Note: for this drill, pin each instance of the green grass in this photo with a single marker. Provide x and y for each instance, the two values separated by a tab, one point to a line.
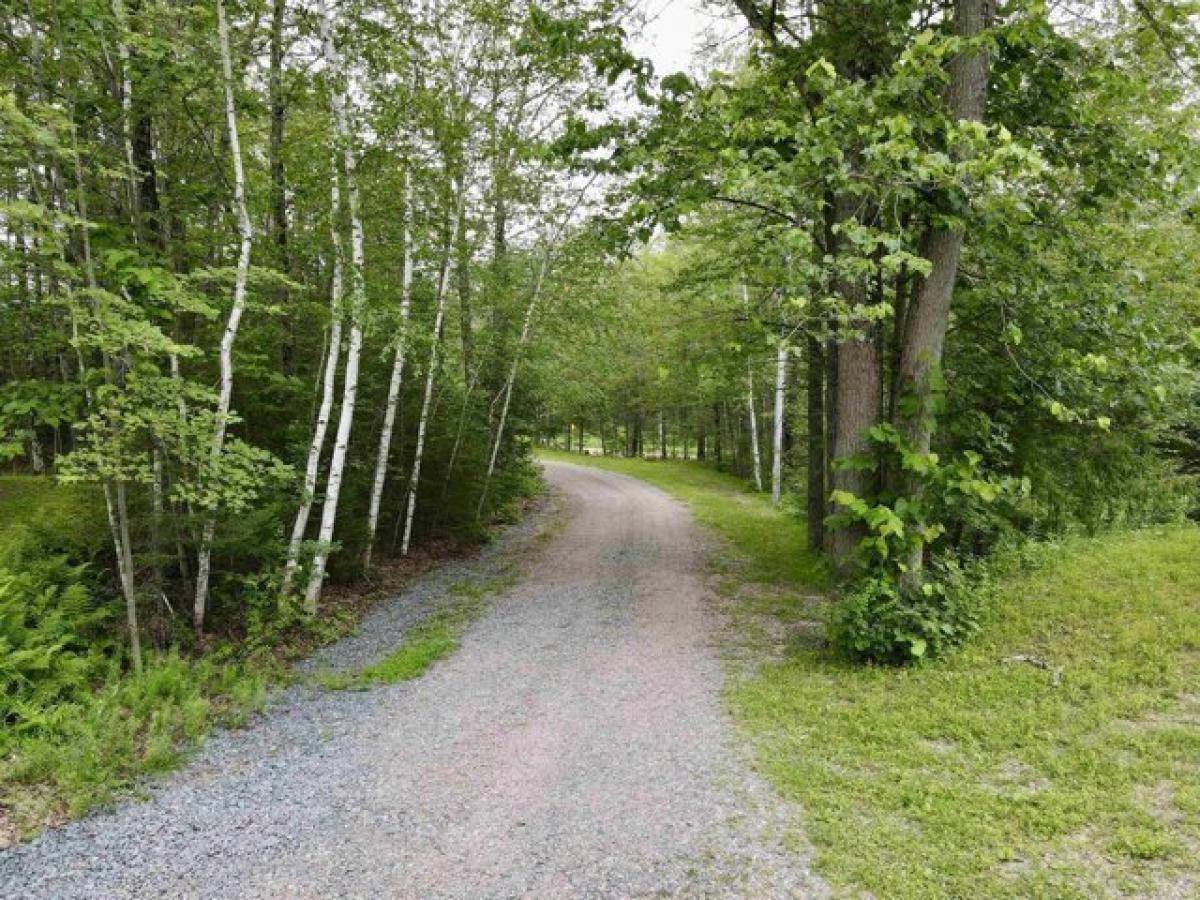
430	640
980	776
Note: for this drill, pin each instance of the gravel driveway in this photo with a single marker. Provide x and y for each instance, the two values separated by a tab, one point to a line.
574	746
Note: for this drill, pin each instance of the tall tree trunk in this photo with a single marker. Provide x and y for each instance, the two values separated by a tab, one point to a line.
831	370
511	380
279	230
118	520
414	481
393	397
815	501
279	223
857	410
339	98
929	315
246	233
328	381
781	355
462	276
756	458
126	90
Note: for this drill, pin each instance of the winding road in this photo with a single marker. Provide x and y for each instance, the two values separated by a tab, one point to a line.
574	746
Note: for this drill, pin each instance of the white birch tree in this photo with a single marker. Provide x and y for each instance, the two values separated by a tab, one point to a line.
781	359
393	397
414	480
338	98
756	456
316	446
246	234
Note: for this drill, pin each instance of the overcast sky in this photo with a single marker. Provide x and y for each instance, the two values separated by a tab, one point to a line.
676	30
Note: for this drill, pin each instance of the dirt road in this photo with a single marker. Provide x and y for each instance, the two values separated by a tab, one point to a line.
575	746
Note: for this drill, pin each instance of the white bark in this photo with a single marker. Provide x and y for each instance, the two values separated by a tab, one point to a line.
777	443
414	480
118	523
328	385
341	444
246	233
393	398
512	379
131	184
756	455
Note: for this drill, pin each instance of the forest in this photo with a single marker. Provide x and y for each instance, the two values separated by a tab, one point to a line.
295	295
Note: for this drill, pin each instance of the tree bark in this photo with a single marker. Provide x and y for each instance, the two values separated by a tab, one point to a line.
781	355
246	233
857	409
414	481
339	98
328	382
815	501
393	398
929	314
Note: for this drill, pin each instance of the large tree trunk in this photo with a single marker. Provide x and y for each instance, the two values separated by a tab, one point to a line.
462	275
856	400
393	398
928	318
278	218
339	97
204	561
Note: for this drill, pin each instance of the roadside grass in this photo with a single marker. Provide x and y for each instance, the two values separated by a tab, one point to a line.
430	640
988	775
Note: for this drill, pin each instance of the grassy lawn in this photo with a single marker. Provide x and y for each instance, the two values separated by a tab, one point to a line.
986	775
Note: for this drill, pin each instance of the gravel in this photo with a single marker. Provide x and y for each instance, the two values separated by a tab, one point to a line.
574	746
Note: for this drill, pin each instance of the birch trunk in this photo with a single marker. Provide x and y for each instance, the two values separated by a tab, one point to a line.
511	380
118	521
415	479
393	398
118	9
328	385
337	463
757	457
780	404
204	560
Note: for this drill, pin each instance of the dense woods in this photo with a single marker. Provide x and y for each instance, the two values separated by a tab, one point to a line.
289	289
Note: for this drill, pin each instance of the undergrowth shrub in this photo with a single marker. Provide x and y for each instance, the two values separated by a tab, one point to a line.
882	620
75	725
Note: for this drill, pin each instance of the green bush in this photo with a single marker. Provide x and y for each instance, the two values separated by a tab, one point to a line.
52	642
883	620
75	726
